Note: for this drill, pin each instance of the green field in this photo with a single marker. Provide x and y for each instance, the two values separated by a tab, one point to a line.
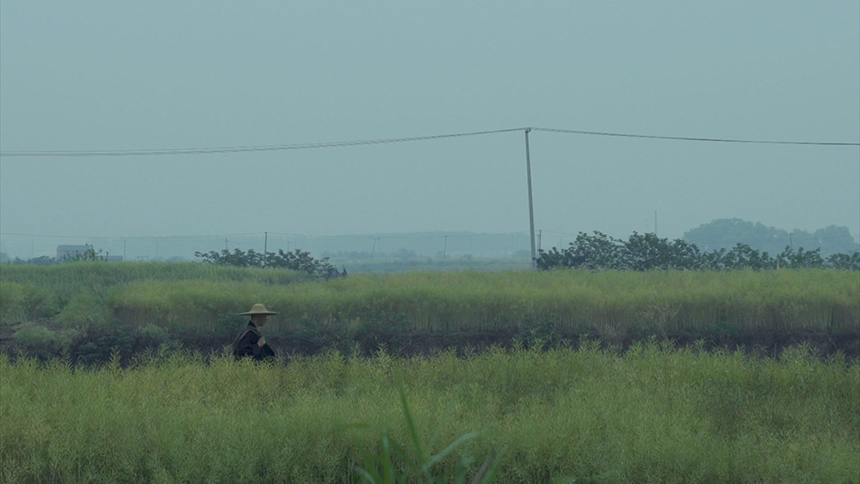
419	311
597	377
652	414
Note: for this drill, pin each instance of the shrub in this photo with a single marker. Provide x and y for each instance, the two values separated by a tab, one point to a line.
382	328
12	307
26	302
323	334
151	336
83	310
536	331
42	343
96	343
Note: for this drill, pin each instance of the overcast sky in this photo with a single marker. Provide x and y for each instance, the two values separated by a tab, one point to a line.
150	75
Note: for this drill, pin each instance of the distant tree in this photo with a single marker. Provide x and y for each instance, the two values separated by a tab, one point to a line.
297	260
742	256
642	252
38	261
832	240
89	255
810	259
647	251
844	261
726	233
237	258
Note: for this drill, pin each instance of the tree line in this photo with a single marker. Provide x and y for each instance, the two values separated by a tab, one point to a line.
642	252
297	260
726	232
89	255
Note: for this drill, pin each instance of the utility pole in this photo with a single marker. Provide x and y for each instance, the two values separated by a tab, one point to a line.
123	250
791	241
445	248
531	205
225	246
265	247
374	248
655	223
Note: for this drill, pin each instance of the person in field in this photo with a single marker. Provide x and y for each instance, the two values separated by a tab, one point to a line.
250	343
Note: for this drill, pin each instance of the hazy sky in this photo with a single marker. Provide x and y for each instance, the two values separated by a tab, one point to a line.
146	75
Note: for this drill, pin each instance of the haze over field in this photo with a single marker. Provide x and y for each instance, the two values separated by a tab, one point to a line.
118	76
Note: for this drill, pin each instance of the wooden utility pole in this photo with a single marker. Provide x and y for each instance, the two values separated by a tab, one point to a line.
531	205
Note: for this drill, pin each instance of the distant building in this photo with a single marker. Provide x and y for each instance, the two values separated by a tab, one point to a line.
64	251
114	258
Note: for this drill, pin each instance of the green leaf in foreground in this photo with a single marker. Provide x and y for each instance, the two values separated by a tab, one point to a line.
384	459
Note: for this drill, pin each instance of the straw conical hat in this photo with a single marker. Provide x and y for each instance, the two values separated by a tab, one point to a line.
257	309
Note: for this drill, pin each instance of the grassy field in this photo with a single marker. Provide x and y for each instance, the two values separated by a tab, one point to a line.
393	266
79	292
195	293
653	414
727	308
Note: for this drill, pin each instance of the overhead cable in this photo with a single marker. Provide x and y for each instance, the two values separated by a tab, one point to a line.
242	149
684	138
340	144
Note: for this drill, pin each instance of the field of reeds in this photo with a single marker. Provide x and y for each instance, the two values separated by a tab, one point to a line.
418	311
650	414
79	292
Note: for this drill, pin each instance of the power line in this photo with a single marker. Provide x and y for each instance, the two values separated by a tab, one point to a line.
260	234
340	144
146	237
242	149
683	138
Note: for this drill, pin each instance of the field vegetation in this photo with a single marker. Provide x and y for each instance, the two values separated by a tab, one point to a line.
145	304
116	372
650	414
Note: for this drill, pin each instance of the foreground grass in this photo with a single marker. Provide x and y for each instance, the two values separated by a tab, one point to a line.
653	414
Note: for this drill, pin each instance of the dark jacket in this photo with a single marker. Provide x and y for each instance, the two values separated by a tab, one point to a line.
246	344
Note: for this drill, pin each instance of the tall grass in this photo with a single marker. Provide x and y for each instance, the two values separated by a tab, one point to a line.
607	303
43	292
615	306
652	414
